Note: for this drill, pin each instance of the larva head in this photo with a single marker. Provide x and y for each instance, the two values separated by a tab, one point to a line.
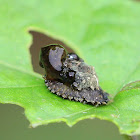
73	56
52	58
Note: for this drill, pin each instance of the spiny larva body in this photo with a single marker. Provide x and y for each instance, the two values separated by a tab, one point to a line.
69	76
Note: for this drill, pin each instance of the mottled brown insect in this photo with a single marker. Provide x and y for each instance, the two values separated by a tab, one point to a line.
69	76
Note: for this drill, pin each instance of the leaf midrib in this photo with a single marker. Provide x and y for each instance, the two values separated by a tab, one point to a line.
20	70
22	86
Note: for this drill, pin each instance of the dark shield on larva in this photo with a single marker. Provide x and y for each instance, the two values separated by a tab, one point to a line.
69	76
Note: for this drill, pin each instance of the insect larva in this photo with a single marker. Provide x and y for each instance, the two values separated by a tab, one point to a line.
69	76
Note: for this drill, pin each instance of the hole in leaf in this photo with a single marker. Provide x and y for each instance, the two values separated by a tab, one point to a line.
41	40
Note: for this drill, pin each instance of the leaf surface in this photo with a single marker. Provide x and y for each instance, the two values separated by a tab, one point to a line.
104	33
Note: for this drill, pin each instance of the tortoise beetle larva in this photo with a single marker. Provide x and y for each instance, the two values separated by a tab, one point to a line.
69	76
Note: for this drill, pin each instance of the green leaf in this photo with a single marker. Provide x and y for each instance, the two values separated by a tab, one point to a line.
104	33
